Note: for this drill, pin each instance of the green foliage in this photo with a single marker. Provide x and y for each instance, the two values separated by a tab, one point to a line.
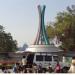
7	44
63	21
64	28
50	31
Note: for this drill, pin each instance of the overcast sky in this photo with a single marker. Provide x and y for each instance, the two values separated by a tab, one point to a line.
20	17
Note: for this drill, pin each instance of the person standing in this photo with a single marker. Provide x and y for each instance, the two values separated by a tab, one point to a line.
49	68
72	67
57	68
24	61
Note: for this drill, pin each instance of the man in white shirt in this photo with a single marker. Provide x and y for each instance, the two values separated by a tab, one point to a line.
24	61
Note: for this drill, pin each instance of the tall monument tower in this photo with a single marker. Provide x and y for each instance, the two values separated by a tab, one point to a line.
41	38
41	43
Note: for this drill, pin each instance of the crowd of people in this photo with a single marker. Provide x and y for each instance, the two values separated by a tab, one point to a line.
28	67
34	68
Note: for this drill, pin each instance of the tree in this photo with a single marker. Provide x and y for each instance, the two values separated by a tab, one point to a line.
64	28
7	44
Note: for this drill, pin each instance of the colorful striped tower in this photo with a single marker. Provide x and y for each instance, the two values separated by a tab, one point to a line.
41	43
41	37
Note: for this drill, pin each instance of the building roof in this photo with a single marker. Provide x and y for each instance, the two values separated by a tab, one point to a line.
43	48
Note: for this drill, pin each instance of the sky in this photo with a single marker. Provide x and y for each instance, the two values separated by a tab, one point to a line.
20	17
